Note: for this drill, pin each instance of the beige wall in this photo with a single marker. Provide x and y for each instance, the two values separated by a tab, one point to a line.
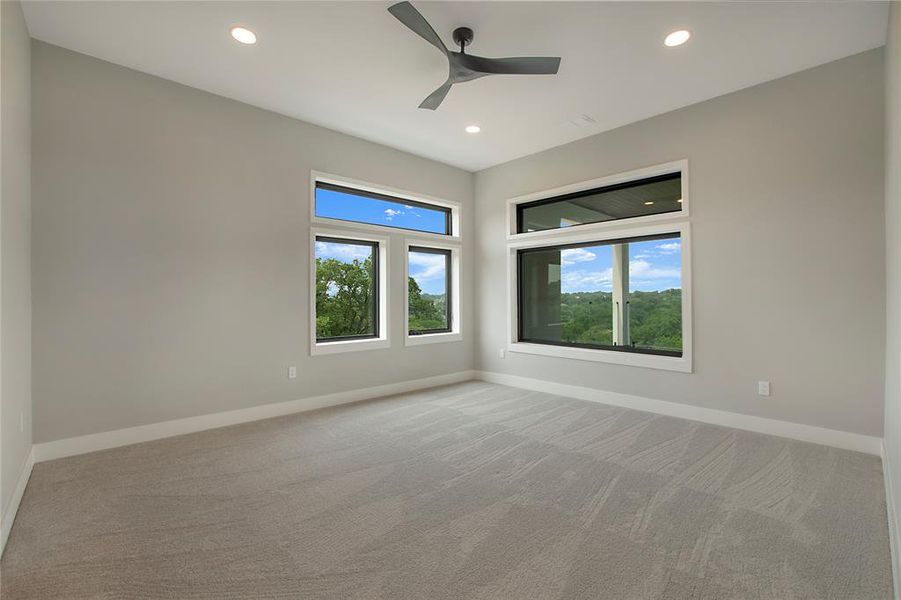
787	246
171	232
171	236
892	439
15	253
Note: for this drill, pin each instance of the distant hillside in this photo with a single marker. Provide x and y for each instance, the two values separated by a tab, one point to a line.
655	318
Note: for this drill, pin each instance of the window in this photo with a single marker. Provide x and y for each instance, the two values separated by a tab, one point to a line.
429	294
656	195
623	295
359	206
600	270
347	289
353	225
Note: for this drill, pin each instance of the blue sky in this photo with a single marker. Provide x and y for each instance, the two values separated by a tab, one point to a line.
343	252
427	269
348	207
653	266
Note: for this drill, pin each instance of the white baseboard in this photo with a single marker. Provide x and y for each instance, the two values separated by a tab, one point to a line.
145	433
891	513
797	431
9	512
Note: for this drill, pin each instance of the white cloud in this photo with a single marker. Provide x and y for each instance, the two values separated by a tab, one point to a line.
390	213
342	252
571	256
580	281
642	275
425	266
669	247
643	270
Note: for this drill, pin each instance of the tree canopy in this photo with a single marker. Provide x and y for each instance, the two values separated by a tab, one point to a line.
427	311
345	300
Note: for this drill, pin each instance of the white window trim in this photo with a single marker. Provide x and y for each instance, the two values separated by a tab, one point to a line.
611	230
384	339
456	332
456	220
678	166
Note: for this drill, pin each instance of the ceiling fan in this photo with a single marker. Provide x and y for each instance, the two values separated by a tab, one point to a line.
466	67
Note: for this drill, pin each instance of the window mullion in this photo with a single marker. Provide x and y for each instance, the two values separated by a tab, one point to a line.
621	294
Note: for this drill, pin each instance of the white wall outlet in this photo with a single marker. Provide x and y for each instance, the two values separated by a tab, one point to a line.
763	388
292	372
502	353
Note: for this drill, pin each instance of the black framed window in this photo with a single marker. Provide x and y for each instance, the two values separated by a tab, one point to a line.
623	295
347	289
430	293
652	196
360	206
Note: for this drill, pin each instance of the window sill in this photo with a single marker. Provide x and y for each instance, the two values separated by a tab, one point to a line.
432	338
348	346
632	359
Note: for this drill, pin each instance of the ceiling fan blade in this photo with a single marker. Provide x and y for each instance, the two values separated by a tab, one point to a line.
409	16
521	65
435	99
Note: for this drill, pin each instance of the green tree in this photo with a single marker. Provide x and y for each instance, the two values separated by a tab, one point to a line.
655	318
345	305
427	311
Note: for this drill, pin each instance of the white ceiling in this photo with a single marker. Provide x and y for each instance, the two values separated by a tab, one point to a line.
353	67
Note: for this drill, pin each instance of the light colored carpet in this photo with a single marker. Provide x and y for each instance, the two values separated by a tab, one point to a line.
471	491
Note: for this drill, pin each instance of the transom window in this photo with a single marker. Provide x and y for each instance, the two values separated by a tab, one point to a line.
623	294
360	206
650	196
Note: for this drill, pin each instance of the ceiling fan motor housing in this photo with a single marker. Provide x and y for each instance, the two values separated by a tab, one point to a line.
463	37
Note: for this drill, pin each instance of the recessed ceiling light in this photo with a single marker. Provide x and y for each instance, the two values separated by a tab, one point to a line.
649	202
243	35
473	129
677	38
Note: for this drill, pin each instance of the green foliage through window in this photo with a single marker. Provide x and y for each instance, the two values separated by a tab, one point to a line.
346	289
622	295
428	289
428	312
655	319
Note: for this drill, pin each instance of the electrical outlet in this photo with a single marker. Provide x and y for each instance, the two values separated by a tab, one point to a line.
763	388
502	353
292	372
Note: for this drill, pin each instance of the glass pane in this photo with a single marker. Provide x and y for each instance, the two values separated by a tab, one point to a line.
429	286
621	295
566	295
655	294
346	289
652	196
345	204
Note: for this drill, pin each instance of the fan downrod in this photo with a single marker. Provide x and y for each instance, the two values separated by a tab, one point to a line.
463	37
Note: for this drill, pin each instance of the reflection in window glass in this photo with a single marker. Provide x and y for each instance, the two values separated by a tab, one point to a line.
567	295
429	290
653	196
346	289
346	204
